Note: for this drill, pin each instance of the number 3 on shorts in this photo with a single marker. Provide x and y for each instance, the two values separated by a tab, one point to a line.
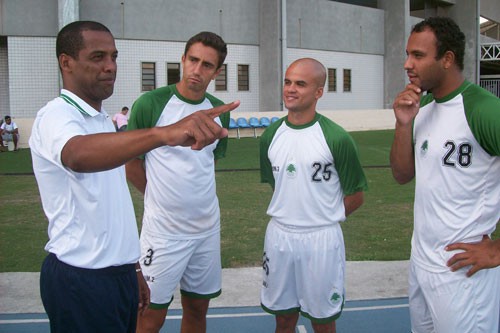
149	257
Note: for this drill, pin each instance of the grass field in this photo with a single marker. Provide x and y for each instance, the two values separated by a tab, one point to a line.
380	230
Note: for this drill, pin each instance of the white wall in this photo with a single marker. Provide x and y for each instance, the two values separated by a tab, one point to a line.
33	74
4	78
367	79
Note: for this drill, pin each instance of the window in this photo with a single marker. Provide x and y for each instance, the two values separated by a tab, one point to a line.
347	80
148	76
332	79
173	72
221	79
243	78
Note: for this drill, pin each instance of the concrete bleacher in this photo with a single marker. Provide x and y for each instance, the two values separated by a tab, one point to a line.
351	120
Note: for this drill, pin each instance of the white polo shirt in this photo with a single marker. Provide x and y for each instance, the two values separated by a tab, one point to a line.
91	216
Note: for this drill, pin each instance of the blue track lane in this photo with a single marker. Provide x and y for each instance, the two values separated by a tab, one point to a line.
373	316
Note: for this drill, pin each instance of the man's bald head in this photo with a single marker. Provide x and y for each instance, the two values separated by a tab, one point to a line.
314	67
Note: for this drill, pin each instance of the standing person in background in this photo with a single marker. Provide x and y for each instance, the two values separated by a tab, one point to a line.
313	167
9	132
121	120
91	280
449	141
180	236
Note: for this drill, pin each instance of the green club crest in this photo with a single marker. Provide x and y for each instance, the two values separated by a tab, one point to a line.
335	297
425	146
291	171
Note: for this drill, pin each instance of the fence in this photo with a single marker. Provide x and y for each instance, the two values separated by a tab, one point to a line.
492	85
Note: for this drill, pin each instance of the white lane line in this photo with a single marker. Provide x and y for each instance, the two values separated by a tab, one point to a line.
380	307
23	321
228	315
301	329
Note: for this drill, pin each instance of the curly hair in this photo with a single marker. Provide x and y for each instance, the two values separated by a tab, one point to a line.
212	40
70	40
448	35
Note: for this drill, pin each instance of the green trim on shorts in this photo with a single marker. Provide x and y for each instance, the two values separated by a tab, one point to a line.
201	296
156	306
322	320
280	312
327	319
305	314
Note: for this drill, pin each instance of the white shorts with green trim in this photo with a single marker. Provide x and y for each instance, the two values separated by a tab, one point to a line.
303	271
451	302
194	263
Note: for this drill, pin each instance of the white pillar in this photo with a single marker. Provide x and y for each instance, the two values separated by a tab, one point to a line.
68	11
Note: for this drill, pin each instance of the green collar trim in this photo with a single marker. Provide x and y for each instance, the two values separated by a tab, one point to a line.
316	118
455	93
71	102
187	100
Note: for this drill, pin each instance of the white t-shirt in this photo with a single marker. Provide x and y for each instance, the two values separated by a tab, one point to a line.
91	217
311	168
180	200
457	189
9	127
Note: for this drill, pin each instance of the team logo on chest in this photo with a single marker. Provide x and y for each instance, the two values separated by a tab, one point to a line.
291	170
424	148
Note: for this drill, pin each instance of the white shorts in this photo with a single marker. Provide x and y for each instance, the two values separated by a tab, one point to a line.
304	272
450	302
9	136
194	263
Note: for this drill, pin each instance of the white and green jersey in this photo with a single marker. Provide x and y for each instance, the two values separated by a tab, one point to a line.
311	168
180	199
457	194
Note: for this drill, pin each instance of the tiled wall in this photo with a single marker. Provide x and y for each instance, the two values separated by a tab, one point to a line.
4	78
367	79
132	53
34	74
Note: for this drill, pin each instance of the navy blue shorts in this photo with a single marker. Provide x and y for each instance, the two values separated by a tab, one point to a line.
89	300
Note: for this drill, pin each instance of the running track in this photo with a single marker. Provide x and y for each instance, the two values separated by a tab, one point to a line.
372	316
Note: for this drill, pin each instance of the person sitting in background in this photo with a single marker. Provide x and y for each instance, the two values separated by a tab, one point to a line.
120	120
9	132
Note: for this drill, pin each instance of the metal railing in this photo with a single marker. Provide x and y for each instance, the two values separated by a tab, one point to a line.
490	51
492	85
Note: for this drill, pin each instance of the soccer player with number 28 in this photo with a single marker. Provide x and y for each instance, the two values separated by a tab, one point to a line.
449	140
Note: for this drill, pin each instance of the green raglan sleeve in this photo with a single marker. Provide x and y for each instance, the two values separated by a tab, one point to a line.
221	148
345	154
147	109
482	111
139	116
266	170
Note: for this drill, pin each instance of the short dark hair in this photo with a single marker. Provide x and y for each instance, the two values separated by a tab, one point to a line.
70	40
124	108
448	35
7	117
212	40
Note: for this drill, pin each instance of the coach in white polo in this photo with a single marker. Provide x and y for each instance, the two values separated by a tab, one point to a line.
89	282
